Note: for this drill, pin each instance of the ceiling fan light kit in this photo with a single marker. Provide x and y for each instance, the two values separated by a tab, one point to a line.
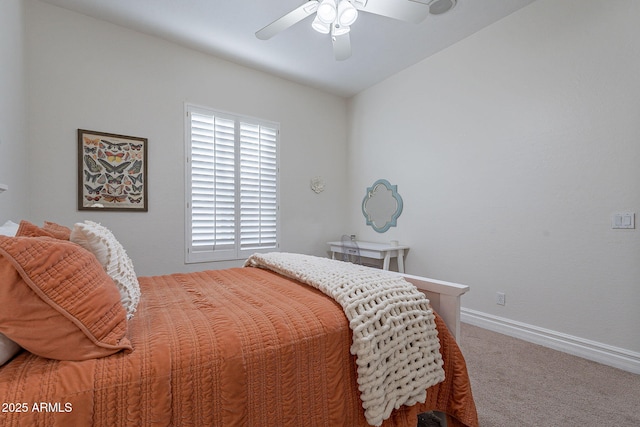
327	11
337	16
334	18
320	26
347	13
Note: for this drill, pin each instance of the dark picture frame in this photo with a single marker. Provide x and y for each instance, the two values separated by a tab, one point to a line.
112	172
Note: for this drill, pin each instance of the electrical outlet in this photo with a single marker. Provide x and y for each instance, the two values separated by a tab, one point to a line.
500	298
623	220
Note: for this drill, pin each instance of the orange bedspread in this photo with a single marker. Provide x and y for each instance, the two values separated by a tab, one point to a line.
236	347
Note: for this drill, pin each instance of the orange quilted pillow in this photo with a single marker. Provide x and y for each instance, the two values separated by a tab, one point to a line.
59	231
50	229
57	301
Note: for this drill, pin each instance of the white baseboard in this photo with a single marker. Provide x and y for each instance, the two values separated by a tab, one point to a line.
598	352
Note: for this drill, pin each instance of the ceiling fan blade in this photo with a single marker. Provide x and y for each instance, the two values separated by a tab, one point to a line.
404	10
341	46
293	17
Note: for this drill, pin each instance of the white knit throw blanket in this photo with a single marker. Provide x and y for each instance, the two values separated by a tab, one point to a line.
395	340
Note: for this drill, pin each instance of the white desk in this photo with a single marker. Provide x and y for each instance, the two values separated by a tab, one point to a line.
384	251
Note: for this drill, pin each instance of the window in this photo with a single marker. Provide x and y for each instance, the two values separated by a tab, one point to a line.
232	185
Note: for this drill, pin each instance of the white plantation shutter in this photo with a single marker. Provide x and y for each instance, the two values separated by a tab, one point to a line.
232	191
258	190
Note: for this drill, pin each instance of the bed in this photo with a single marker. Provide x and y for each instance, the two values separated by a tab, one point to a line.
248	346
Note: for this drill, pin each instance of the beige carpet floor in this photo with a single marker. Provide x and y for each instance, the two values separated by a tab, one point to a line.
516	383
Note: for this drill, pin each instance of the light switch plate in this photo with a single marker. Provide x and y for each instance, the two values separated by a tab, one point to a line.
623	220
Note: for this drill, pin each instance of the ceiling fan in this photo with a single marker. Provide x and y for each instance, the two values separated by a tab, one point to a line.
335	17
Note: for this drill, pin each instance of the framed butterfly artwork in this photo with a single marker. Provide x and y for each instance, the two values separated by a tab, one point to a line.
112	172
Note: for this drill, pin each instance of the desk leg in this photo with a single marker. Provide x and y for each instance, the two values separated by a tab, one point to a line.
401	260
387	258
333	255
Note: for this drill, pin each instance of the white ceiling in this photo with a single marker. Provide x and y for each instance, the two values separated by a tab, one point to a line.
225	28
